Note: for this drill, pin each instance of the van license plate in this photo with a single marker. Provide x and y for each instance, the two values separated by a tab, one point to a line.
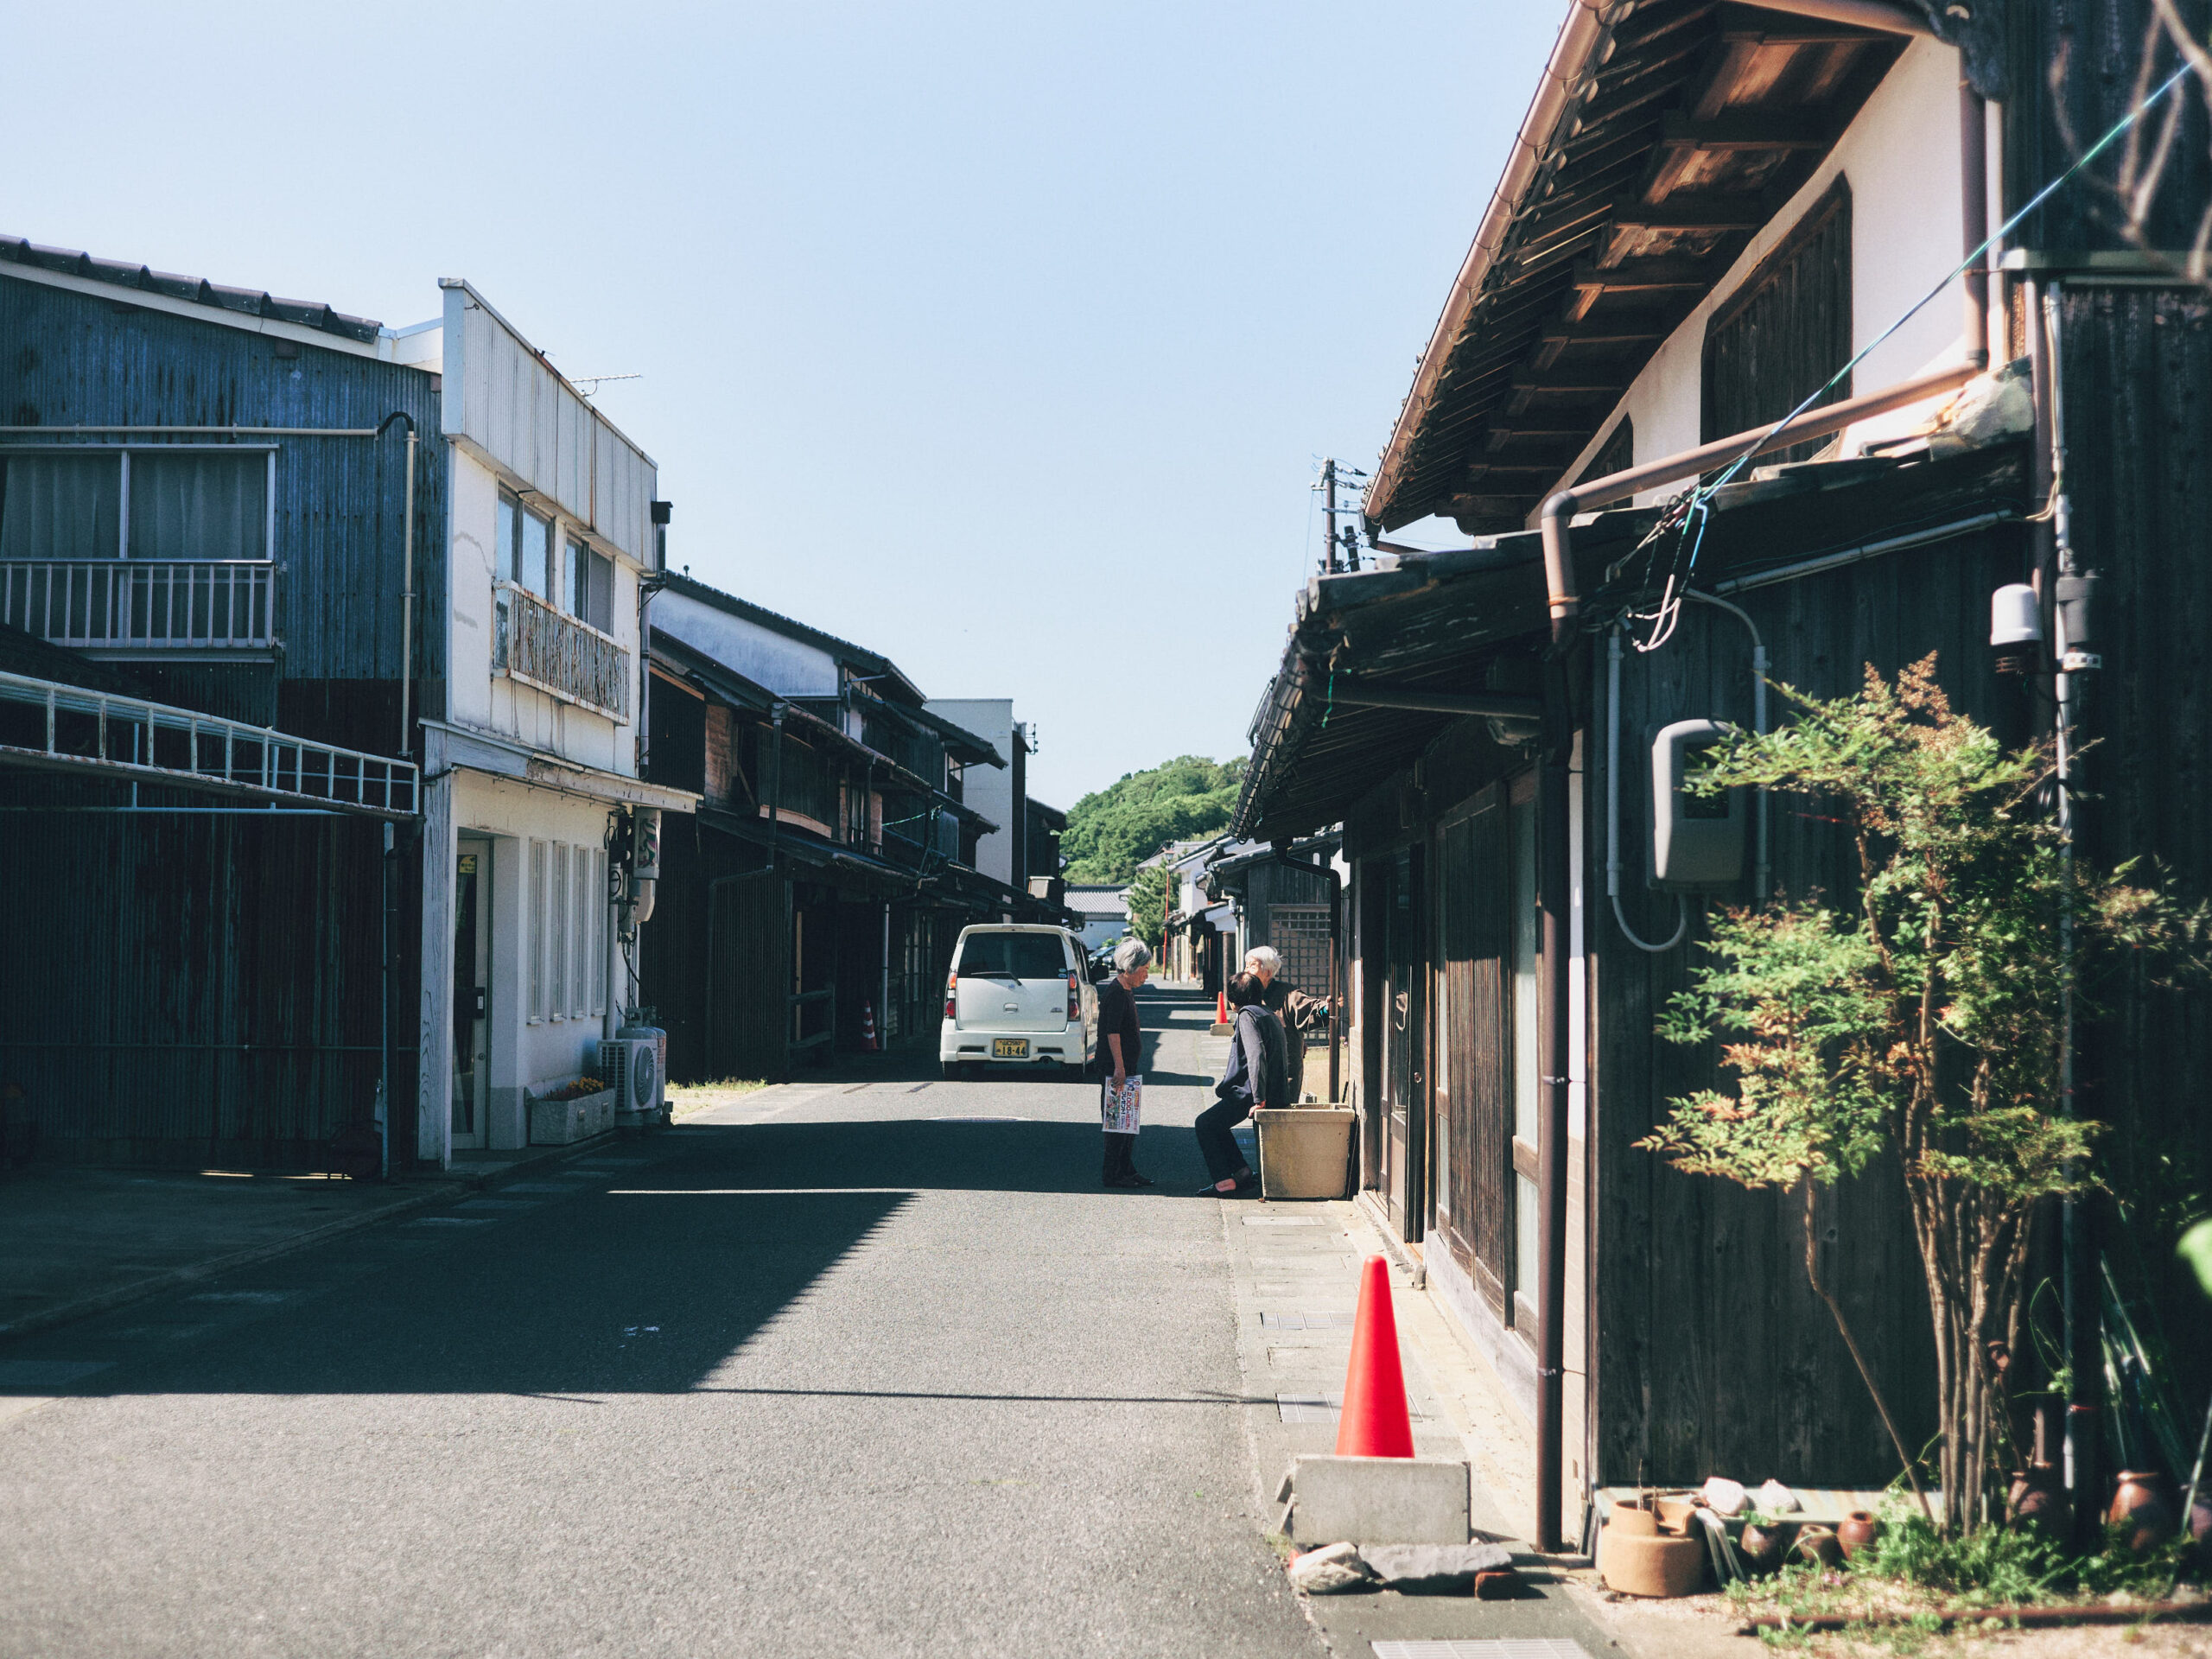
1009	1048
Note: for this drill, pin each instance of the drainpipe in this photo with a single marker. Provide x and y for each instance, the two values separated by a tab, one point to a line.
1974	220
406	590
1554	871
383	1023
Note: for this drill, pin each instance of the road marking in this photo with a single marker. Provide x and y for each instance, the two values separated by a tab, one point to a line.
246	1298
47	1373
749	1192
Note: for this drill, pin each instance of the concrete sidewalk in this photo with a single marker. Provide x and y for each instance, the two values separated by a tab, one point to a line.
75	1242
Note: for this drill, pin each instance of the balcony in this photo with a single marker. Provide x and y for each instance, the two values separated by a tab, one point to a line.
140	606
539	646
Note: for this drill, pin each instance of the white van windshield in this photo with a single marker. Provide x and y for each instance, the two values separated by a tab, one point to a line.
1012	956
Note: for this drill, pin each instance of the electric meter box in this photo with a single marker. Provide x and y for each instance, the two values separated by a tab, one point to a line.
1697	841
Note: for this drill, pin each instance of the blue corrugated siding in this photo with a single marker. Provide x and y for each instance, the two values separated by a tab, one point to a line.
69	358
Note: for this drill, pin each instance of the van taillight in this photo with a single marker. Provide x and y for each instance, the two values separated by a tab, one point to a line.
1075	1006
951	985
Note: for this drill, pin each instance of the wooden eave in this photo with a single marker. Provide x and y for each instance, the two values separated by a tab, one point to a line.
1704	121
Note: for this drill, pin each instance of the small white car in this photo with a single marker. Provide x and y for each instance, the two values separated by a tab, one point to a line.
1018	995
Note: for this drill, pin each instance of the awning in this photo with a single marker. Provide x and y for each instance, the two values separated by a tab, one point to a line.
1469	621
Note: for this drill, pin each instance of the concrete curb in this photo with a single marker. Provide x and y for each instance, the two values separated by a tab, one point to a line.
461	1186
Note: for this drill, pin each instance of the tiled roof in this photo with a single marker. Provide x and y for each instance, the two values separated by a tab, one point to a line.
198	291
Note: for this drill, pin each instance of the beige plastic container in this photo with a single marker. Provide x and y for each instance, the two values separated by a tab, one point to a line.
1305	1151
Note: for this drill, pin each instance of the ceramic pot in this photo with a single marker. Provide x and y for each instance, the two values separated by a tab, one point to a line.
1652	1566
2141	1503
1674	1510
2037	1501
1858	1532
1761	1547
1817	1547
1632	1520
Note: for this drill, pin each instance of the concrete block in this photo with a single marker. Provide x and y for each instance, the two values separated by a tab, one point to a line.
1378	1500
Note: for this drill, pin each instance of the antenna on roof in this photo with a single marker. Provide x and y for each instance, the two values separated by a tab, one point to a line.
587	384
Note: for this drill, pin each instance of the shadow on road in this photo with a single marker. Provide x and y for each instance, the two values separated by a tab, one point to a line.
647	1285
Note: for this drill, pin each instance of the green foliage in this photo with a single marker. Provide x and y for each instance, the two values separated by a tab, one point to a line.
1929	1021
1112	830
1147	903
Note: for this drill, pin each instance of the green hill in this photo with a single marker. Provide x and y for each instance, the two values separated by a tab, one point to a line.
1112	830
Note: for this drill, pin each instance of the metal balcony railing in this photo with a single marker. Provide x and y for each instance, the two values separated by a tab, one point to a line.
143	604
98	737
539	645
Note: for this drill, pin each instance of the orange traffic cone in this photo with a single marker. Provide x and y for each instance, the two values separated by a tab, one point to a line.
1375	1422
867	1027
1221	1008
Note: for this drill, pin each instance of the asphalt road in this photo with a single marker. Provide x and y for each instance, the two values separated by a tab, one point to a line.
869	1369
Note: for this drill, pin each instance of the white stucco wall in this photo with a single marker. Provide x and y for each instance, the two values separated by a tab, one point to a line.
1901	158
788	667
988	789
478	697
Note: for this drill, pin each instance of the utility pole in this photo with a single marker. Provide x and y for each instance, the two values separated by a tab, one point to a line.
1329	498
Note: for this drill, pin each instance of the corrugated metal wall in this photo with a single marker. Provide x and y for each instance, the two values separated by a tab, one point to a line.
69	358
189	990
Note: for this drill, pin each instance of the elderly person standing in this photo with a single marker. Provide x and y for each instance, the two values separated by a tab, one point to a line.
1121	1048
1299	1012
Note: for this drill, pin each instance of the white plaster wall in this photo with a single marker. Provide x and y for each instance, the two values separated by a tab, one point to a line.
522	1051
1901	155
477	698
988	789
788	667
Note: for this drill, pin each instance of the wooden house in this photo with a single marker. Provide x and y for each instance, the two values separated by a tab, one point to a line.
1710	211
809	903
413	554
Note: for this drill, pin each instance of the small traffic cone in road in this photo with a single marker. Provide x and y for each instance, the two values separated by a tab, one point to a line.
867	1027
1375	1422
1221	1008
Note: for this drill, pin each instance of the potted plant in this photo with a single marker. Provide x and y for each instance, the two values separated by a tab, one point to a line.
571	1111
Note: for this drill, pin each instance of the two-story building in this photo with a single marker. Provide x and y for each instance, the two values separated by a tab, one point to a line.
1714	217
810	904
411	554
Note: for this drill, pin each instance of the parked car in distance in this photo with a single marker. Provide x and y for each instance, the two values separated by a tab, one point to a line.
1018	995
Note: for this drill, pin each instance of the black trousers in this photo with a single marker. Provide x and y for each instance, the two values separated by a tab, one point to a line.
1216	1143
1121	1156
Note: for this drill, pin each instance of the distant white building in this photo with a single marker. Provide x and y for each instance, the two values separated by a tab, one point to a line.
1104	910
1003	854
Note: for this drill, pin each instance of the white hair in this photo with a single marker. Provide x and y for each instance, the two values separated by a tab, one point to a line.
1130	955
1263	956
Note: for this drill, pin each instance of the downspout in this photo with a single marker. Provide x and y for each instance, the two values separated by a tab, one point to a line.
1555	873
1974	220
406	589
384	1022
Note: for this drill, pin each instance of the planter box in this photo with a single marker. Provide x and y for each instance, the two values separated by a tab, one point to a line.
563	1122
1305	1152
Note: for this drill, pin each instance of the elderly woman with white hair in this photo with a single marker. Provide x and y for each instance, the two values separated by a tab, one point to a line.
1120	1047
1299	1012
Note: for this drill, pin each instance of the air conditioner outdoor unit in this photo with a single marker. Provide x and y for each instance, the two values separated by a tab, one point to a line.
632	1066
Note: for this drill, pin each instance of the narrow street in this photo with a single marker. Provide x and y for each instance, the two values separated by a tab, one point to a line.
841	1368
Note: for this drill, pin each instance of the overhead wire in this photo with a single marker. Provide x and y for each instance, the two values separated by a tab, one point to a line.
1697	500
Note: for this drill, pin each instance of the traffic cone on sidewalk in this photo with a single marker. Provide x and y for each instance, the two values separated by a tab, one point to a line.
867	1027
1221	1008
1375	1422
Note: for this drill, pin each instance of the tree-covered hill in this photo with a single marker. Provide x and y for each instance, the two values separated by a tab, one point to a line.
1114	830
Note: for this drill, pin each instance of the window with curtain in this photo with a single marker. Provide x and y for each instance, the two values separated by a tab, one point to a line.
193	504
61	506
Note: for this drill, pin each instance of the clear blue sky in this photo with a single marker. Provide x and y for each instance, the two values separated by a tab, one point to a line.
1000	339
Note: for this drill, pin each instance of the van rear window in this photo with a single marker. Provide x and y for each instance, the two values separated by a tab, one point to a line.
1013	955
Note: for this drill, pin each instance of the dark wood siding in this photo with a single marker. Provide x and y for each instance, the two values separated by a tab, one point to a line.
1479	1152
1786	331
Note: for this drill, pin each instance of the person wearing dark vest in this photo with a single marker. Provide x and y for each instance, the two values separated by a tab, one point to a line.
1300	1014
1121	1051
1258	1076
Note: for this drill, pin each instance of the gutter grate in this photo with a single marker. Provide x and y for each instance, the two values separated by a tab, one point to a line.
1309	1408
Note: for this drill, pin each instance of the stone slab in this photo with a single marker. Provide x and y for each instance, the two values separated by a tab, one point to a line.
1379	1500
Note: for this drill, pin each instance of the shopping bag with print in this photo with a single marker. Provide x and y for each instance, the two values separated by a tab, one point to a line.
1124	1110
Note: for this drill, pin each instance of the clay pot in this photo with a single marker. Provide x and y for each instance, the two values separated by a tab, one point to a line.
1631	1519
1674	1510
1761	1548
1858	1532
1817	1547
2141	1505
1656	1566
2037	1501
